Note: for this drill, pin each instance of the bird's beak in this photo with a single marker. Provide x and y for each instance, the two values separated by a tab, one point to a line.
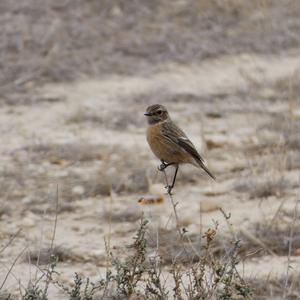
146	114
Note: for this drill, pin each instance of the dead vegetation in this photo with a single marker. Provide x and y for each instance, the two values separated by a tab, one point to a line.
117	35
273	288
263	187
213	275
257	124
268	237
139	276
82	170
44	255
129	214
115	120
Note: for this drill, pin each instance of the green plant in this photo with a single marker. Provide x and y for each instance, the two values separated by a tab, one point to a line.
130	271
137	275
34	292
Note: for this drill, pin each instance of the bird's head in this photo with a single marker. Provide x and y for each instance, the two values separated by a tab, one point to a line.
156	113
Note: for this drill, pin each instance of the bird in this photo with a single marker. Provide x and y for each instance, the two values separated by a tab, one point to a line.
169	143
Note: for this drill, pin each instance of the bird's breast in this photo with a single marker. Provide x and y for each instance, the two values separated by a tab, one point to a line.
154	138
163	148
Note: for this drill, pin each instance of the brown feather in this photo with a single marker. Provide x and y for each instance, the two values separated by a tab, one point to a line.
174	134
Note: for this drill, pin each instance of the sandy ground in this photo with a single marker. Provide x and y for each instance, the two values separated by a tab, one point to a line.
87	137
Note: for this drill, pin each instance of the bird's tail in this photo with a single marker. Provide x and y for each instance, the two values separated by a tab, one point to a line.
202	165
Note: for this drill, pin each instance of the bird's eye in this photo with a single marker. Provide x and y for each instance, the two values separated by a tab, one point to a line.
159	112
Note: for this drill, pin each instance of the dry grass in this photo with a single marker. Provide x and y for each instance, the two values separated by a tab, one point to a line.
263	187
115	120
268	236
276	237
293	160
190	255
261	238
273	288
5	296
171	247
97	39
62	154
5	210
45	255
82	170
117	35
131	214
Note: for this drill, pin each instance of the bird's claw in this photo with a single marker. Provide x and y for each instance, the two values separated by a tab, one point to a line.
169	189
162	167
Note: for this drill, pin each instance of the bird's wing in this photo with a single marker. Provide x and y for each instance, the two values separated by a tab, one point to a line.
175	135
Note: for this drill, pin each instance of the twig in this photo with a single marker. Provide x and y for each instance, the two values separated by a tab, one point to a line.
290	251
246	233
55	283
200	226
174	207
257	241
277	212
10	241
49	272
55	221
230	226
109	218
181	234
13	275
11	267
172	201
40	247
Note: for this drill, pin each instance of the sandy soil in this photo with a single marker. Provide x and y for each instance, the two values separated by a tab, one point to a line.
87	137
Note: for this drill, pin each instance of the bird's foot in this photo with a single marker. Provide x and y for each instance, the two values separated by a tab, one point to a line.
169	189
162	167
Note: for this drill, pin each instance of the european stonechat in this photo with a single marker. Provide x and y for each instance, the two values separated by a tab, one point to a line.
169	143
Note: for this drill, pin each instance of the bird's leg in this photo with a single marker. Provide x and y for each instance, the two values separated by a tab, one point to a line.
170	187
164	165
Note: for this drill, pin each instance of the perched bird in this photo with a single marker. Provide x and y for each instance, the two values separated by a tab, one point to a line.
169	143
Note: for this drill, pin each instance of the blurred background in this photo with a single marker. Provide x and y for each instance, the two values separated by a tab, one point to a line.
76	78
